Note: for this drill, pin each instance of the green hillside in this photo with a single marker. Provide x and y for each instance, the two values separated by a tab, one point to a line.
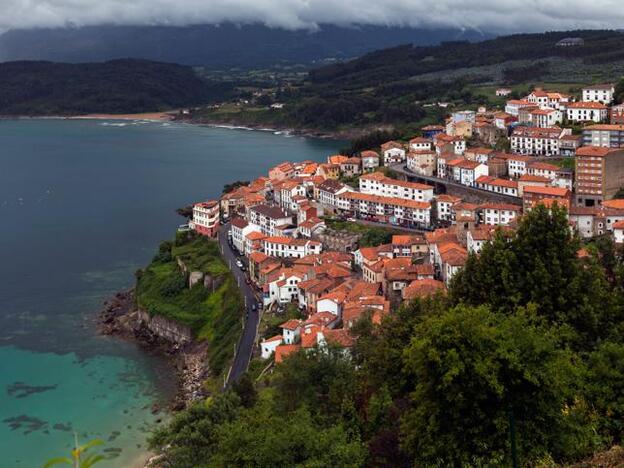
392	86
118	86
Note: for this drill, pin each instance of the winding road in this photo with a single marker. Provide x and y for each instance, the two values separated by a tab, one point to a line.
248	338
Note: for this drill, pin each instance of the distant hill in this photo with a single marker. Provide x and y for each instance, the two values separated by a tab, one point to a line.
215	46
407	61
118	86
390	87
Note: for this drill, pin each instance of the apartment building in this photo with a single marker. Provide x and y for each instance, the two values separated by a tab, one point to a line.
537	141
206	218
599	174
378	184
607	135
397	211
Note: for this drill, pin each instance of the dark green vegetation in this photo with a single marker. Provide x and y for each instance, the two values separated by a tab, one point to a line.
390	87
213	313
529	334
372	236
118	86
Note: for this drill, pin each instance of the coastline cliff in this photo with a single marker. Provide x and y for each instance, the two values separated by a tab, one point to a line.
186	306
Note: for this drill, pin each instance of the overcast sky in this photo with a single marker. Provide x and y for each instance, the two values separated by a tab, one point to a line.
485	15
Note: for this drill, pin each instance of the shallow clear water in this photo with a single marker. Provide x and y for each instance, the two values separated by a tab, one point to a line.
83	204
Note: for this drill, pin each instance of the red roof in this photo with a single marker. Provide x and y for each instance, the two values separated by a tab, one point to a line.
291	324
284	350
550	191
596	151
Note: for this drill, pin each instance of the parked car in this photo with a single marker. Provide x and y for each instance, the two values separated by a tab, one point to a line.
253	307
239	264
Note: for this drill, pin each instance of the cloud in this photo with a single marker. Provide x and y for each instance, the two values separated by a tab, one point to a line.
489	15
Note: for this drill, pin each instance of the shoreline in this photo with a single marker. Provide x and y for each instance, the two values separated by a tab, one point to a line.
289	131
119	318
172	116
148	116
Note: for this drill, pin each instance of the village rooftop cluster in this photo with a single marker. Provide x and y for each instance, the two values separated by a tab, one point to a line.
447	196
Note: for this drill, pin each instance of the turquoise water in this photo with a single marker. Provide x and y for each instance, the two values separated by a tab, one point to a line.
83	204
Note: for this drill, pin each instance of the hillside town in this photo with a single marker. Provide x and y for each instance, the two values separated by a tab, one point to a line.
443	194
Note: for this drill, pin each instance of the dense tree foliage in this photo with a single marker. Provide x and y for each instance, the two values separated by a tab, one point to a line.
118	86
529	337
471	368
540	266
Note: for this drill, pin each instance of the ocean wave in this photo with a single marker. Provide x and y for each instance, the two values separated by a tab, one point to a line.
113	124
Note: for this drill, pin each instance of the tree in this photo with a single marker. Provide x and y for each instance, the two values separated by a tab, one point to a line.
317	379
471	367
540	266
245	390
190	439
606	388
79	457
263	437
227	188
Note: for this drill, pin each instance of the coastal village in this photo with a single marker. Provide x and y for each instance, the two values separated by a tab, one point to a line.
443	194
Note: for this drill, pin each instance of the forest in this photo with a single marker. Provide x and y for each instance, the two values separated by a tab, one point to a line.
116	87
522	359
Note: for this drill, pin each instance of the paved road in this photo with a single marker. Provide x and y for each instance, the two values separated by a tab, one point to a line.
485	194
246	344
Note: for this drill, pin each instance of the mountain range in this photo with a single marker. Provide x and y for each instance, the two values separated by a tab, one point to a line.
215	46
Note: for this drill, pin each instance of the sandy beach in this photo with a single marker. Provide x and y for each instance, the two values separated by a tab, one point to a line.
156	116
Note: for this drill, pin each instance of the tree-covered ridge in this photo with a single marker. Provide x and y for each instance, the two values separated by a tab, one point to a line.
529	337
406	61
389	87
118	86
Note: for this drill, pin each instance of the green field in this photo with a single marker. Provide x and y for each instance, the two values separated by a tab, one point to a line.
212	315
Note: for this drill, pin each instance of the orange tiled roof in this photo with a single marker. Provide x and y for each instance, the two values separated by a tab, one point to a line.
595	151
291	324
282	351
422	288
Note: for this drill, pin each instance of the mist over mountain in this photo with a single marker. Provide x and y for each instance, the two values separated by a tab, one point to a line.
215	46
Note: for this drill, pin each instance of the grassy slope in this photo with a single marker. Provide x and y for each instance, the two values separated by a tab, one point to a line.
213	316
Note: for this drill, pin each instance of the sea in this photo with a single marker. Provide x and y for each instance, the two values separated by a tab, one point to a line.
83	205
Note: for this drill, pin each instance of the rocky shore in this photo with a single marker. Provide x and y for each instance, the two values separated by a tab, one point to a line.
119	317
338	134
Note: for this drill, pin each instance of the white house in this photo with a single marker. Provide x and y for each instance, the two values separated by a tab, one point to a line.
467	172
268	346
331	302
329	189
288	247
370	161
499	214
590	111
603	93
291	331
269	218
420	144
378	184
476	239
513	106
545	117
393	152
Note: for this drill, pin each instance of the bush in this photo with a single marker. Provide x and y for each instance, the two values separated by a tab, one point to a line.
172	286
